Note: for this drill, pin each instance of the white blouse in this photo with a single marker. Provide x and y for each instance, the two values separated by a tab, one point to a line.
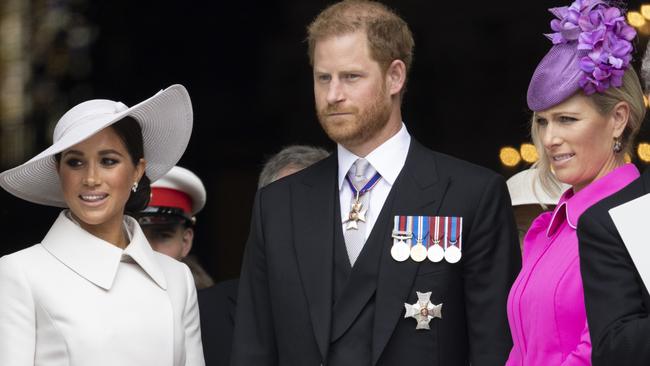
76	300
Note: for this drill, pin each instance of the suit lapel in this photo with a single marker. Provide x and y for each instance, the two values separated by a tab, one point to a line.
417	189
313	201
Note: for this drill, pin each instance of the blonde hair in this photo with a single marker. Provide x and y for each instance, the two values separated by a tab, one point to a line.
389	37
630	92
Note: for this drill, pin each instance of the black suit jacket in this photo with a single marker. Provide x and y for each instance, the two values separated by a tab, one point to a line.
284	314
617	301
217	306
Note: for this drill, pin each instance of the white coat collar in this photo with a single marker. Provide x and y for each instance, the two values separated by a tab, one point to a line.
95	259
632	224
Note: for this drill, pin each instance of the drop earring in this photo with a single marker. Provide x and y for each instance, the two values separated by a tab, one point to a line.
135	187
618	146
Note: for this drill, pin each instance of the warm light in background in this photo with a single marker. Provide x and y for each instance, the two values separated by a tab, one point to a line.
635	19
645	100
509	156
14	75
645	11
528	152
643	151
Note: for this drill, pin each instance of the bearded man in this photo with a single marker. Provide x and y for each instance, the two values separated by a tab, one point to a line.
384	253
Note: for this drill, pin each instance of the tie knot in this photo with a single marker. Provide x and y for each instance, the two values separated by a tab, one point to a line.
361	172
360	169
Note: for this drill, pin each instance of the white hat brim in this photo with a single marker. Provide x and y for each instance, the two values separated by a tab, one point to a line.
166	120
525	188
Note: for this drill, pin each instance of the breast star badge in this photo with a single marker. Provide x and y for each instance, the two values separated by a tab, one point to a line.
423	310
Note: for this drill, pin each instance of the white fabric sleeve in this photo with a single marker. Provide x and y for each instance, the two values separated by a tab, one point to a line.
17	316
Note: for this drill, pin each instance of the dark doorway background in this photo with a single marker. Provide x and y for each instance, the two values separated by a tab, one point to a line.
245	66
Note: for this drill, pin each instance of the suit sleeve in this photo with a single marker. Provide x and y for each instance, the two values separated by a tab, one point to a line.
17	316
254	339
617	317
217	308
491	261
193	344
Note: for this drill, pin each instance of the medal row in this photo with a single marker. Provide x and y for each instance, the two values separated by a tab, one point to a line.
427	237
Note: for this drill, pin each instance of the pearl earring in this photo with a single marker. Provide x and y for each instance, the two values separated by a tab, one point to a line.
135	187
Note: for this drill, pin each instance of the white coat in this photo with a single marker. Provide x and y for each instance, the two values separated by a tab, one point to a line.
76	300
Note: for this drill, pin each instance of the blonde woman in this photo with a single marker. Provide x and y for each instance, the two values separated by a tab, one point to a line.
588	106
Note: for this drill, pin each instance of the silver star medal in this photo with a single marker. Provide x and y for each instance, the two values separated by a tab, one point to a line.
357	213
423	310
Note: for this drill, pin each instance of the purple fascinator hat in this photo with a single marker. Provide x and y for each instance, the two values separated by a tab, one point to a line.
591	50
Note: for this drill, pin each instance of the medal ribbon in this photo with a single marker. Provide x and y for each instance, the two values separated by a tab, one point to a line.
403	227
423	225
455	231
436	238
417	226
370	185
460	233
446	234
452	230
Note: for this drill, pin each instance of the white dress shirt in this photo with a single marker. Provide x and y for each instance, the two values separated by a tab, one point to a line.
388	159
76	300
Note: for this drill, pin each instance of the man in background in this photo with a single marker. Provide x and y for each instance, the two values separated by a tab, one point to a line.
217	304
169	219
289	160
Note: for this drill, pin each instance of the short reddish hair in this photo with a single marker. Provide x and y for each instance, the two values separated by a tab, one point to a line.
389	37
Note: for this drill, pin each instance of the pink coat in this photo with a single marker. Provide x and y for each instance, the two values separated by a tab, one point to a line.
546	307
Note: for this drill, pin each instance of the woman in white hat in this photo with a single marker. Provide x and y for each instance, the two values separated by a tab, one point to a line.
93	292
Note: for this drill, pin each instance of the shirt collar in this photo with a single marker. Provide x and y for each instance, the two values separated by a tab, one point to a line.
95	259
388	159
571	206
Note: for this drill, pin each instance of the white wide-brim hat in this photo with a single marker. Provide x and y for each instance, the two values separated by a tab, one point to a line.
166	121
525	188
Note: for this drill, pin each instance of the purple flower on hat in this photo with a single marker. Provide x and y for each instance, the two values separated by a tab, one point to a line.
566	25
625	31
591	50
600	30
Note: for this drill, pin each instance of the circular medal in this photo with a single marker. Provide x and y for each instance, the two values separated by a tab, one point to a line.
435	253
400	251
418	252
452	254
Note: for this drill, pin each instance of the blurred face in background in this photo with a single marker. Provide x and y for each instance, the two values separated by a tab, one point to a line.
174	240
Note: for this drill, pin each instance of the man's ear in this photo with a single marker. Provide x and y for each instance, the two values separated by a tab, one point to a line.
395	77
188	238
